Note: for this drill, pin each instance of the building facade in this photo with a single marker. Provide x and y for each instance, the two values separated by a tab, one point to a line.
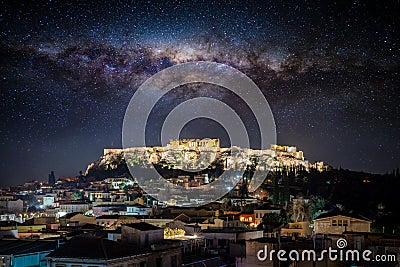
337	223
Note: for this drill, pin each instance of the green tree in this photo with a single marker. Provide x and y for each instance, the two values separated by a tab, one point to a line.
77	196
271	221
318	206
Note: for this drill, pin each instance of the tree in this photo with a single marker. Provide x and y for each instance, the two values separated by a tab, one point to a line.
77	196
275	191
318	206
271	221
300	210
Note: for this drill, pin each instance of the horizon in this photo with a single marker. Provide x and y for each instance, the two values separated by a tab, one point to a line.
62	176
73	174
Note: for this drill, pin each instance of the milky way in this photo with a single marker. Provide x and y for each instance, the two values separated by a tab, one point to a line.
329	71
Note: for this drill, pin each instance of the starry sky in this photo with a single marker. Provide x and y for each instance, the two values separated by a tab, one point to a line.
329	70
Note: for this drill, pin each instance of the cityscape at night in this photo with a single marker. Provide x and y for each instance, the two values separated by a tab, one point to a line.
199	133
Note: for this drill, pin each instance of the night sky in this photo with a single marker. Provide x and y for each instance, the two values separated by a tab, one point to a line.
329	70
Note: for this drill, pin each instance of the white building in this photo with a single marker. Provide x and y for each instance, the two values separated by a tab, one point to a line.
48	201
69	207
138	210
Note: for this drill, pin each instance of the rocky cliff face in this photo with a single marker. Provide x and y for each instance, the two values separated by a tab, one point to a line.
109	165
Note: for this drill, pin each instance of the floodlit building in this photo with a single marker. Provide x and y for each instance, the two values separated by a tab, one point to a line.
195	143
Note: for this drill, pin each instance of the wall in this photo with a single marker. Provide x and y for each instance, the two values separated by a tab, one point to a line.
141	238
324	225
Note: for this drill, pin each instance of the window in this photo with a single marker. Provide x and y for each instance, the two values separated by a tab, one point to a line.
340	222
76	265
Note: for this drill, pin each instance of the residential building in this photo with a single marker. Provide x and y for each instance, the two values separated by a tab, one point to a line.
339	222
247	256
30	230
219	239
98	252
76	219
141	234
109	209
248	219
115	221
69	207
262	210
16	206
21	253
137	210
297	229
222	222
97	195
